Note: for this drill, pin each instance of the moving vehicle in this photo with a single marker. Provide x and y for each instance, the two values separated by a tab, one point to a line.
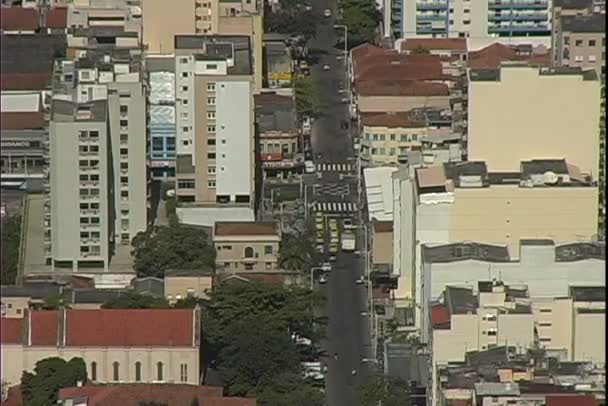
360	281
326	267
332	258
322	280
327	12
333	248
348	241
309	167
326	67
344	100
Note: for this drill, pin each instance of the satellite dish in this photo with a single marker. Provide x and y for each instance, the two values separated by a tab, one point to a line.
550	178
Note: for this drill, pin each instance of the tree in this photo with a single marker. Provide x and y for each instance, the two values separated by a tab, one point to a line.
287	389
176	246
258	349
307	97
132	300
383	389
9	249
54	302
292	21
362	19
297	251
51	374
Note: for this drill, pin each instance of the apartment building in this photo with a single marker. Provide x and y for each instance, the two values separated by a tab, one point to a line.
125	15
215	150
98	198
117	345
580	42
208	17
511	117
242	247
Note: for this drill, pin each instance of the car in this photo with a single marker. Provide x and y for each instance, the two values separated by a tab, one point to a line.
333	224
309	167
327	12
320	248
344	125
326	67
333	248
326	267
347	223
322	280
344	100
332	258
360	281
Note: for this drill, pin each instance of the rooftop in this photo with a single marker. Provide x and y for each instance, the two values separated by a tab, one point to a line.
31	53
580	250
460	300
594	23
19	19
133	394
190	272
465	251
497	389
23	121
67	111
391	120
231	229
274	112
25	81
433	44
398	87
106	328
383	226
492	56
494	74
234	47
573	4
588	293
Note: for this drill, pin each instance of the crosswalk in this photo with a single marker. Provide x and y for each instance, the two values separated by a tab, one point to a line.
335	207
335	167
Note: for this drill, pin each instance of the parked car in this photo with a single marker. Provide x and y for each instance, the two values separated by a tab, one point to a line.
309	167
327	12
323	280
326	67
347	224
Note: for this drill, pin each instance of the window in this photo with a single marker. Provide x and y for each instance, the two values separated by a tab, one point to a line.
578	58
184	74
375	137
84	220
115	368
492	333
185	129
591	58
210	87
94	134
84	234
211	155
466	22
184	88
578	43
185	184
211	101
157	143
124	151
382	137
124	179
124	137
227	247
392	151
403	138
566	40
183	372
545	339
592	42
93	371
268	250
211	184
124	193
392	137
124	123
381	151
138	371
249	267
545	324
159	371
183	60
211	141
249	253
545	310
124	109
84	206
212	66
374	151
210	128
414	137
211	170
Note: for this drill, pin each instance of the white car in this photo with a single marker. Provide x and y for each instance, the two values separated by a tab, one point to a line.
326	267
322	280
347	224
327	12
326	67
360	281
309	167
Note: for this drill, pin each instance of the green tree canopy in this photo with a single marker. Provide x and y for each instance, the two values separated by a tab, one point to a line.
51	374
286	389
174	247
307	97
9	249
381	388
132	300
362	19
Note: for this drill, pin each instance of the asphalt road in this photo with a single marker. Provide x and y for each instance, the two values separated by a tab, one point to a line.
348	330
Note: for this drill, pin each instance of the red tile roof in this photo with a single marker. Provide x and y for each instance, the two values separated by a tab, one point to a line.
172	394
12	330
129	328
390	120
278	278
25	81
243	228
22	121
427	70
432	44
401	88
57	17
439	315
493	55
44	325
365	50
383	226
14	398
18	19
569	400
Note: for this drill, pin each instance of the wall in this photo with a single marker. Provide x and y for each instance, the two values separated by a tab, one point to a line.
382	249
585	52
515	119
506	214
158	30
184	286
553	318
25	358
516	330
396	146
590	337
232	259
451	345
382	104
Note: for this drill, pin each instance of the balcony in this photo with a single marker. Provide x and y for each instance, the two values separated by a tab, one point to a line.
518	28
435	5
431	17
519	17
518	5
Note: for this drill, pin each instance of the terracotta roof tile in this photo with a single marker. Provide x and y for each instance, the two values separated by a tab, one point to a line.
57	17
132	327
366	49
391	120
25	81
404	70
132	394
44	325
12	330
439	315
237	228
23	121
569	400
432	176
401	88
279	278
383	226
493	55
18	19
453	44
14	398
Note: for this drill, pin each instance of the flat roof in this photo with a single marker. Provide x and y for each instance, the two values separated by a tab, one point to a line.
460	300
465	251
594	23
33	53
588	293
242	228
212	45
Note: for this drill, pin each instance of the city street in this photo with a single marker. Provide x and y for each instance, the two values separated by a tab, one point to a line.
348	330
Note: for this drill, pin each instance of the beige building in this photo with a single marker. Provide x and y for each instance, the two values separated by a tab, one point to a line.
377	96
513	116
581	42
475	323
382	246
135	345
180	284
247	246
215	152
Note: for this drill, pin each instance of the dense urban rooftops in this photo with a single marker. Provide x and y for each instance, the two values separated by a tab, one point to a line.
220	47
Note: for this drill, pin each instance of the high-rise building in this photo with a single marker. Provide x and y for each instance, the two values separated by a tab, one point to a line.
98	198
477	19
215	131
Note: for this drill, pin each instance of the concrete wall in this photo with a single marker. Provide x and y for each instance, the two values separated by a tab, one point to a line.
583	55
451	345
25	358
382	249
590	337
185	286
506	214
395	142
515	119
231	254
382	104
158	30
553	318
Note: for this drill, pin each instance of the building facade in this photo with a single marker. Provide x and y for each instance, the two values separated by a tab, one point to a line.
135	345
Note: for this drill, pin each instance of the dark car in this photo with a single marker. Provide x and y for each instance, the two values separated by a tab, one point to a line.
344	125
